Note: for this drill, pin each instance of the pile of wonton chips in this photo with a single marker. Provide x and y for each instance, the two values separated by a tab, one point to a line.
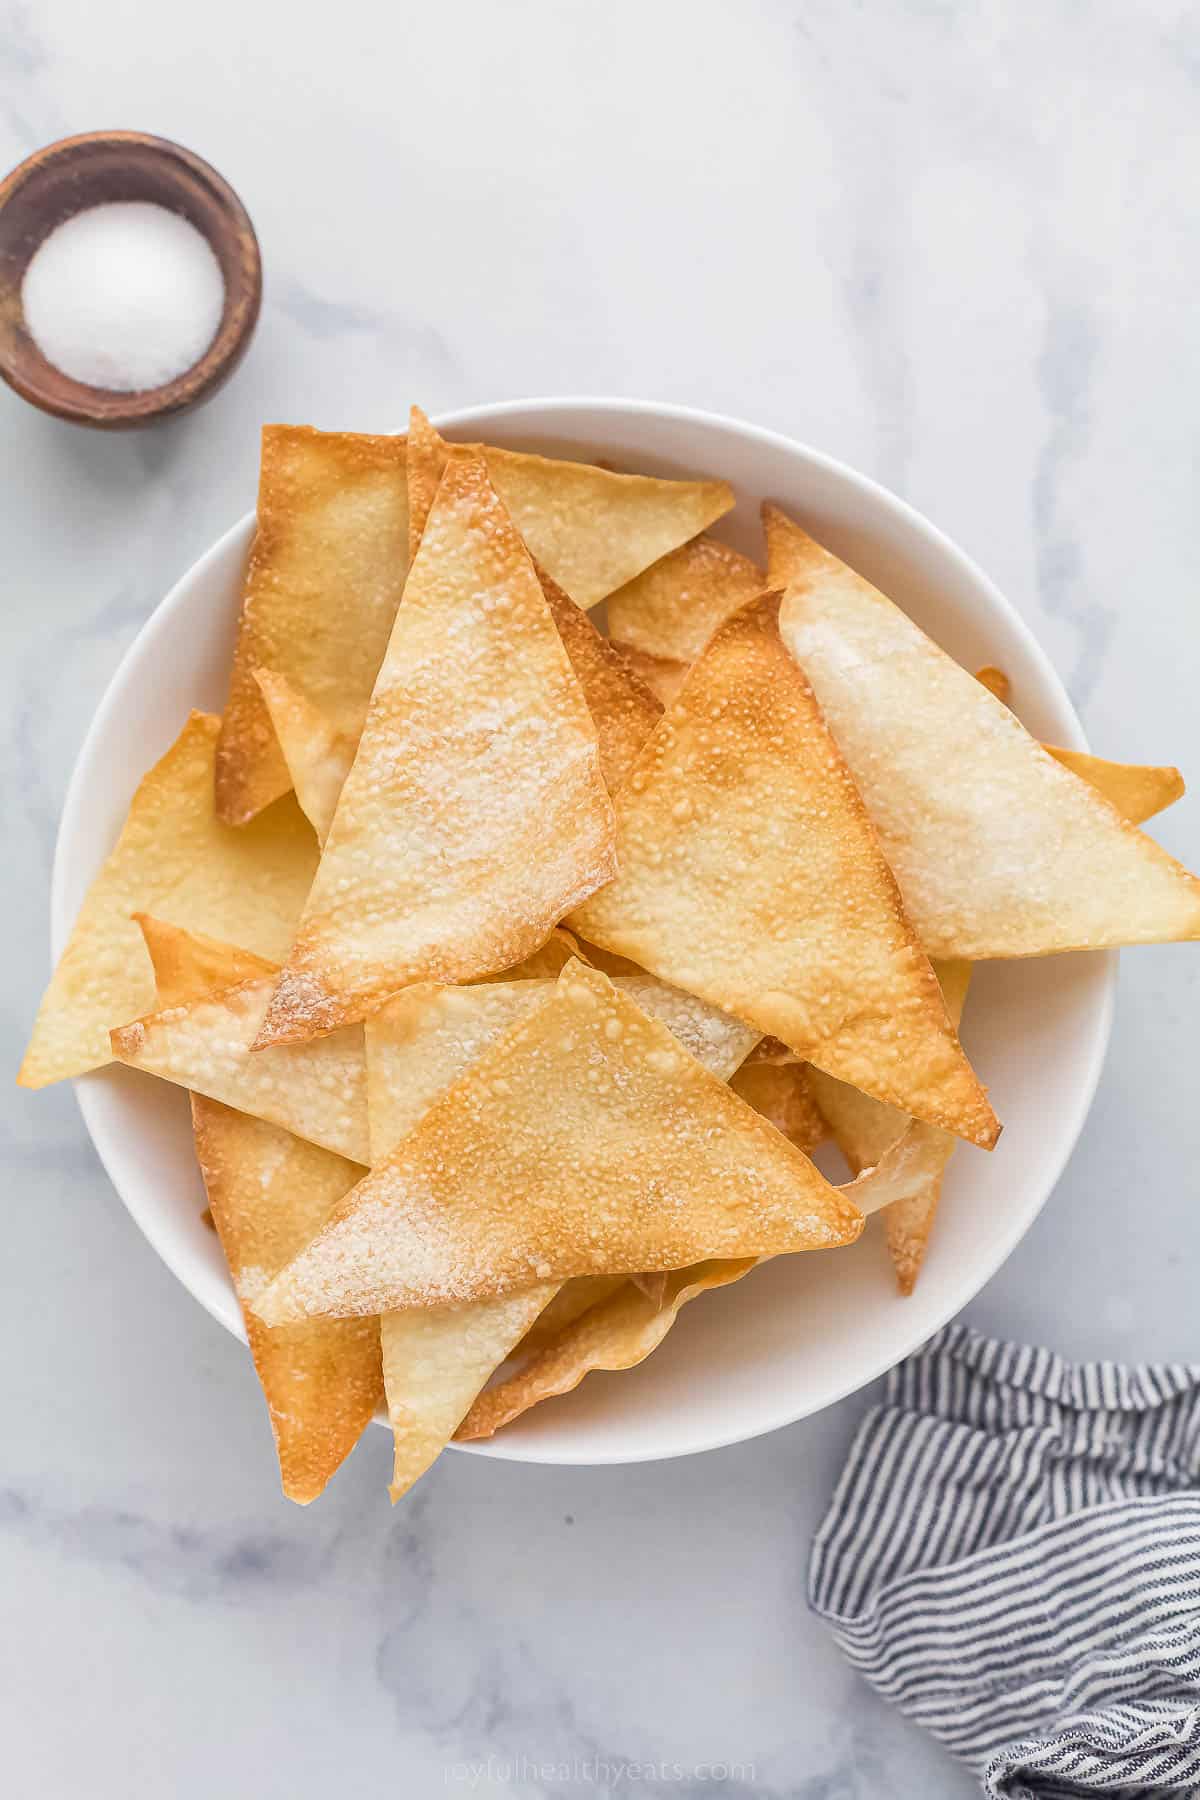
515	971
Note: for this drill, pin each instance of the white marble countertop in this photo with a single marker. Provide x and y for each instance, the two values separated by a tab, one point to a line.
952	245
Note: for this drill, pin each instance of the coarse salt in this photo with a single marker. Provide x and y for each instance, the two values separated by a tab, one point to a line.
124	296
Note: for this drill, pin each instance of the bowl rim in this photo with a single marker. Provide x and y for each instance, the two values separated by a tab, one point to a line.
1092	1056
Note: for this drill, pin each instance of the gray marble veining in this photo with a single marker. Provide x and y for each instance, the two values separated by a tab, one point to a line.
953	245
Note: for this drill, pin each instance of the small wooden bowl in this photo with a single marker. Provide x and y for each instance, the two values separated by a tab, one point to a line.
80	172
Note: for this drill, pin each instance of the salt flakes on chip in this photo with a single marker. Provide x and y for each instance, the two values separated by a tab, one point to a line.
585	1141
998	849
176	859
750	874
475	814
317	1090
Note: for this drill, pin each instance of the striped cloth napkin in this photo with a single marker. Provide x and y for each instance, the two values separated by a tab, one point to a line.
1013	1556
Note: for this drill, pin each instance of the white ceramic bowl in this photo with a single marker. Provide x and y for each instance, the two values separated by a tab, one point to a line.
802	1331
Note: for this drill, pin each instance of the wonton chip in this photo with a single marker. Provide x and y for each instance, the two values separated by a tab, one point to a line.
1137	790
995	681
865	1130
782	1093
325	576
270	1193
592	530
671	610
426	1037
998	849
543	964
317	1090
475	814
586	1141
620	1332
663	678
750	874
437	1359
570	1302
175	859
617	1334
317	754
623	708
187	964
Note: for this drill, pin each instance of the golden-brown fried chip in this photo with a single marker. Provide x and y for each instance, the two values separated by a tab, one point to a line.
570	1302
317	1090
436	1359
623	708
424	1039
176	860
619	1332
662	677
865	1131
750	874
188	965
782	1093
586	1141
995	681
1137	790
325	576
317	754
543	964
672	609
616	1334
475	814
270	1193
591	529
998	849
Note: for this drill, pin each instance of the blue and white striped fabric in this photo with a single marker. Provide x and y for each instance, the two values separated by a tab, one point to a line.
1013	1557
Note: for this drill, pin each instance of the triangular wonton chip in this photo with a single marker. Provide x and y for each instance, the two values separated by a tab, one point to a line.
585	1141
325	576
618	1333
672	609
570	1302
436	1359
623	708
475	814
865	1130
998	849
188	964
317	754
782	1093
270	1193
750	874
1137	790
590	529
175	859
426	1037
317	1090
